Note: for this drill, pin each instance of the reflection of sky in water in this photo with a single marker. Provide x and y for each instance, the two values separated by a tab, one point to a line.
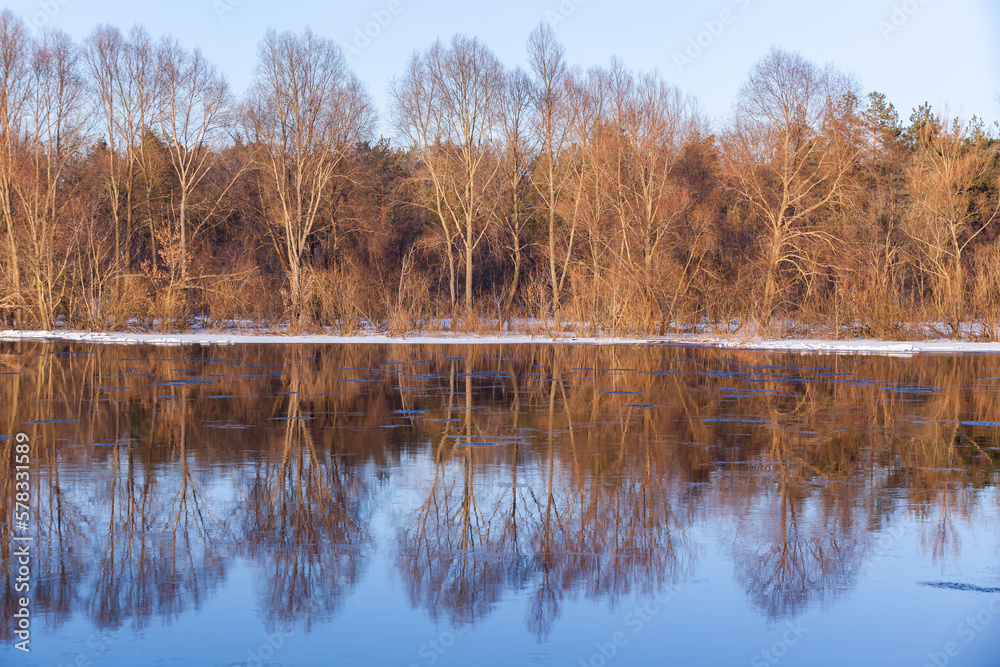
522	507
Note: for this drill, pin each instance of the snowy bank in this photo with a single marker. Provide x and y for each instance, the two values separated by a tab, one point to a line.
860	346
856	346
314	339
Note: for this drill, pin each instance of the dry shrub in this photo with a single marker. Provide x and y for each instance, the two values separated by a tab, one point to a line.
114	302
11	310
873	304
533	316
166	306
986	293
336	298
608	303
411	308
678	306
732	305
243	300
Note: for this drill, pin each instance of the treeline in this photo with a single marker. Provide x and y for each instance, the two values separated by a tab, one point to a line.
137	190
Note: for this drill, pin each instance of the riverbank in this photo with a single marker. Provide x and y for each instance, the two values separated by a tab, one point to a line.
855	346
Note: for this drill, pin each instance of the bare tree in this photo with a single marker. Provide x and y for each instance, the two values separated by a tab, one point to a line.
555	120
195	119
649	124
784	167
305	112
448	106
947	213
15	53
56	130
122	70
518	161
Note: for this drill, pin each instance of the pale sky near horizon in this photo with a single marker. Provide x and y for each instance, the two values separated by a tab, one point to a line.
945	53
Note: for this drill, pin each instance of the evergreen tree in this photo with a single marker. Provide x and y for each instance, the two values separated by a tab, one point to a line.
882	124
924	127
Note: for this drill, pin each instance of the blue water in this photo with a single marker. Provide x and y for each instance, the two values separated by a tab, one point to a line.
504	506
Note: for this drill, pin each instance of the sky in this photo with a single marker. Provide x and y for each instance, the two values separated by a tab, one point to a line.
940	51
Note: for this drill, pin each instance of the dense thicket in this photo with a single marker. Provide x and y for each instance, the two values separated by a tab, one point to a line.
136	190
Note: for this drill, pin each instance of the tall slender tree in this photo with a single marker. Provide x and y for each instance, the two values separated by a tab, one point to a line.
195	120
785	166
305	112
15	73
448	107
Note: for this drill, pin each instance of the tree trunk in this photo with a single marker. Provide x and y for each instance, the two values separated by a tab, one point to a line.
468	276
183	222
452	286
515	282
295	297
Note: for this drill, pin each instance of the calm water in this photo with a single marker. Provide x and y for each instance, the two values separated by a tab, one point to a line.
298	505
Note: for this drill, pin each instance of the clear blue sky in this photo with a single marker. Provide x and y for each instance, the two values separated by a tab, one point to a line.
942	51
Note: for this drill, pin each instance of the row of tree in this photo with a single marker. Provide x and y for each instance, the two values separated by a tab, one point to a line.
137	190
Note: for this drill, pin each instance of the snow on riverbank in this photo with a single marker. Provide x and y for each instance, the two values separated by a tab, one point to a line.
271	338
861	346
786	345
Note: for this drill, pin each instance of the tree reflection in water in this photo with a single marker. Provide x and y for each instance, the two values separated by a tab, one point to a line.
545	473
301	523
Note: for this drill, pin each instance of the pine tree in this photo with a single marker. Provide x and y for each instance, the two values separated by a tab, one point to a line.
924	126
882	123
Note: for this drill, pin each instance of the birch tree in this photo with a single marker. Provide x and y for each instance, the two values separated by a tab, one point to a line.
56	130
783	167
518	161
15	72
555	119
122	71
305	112
448	107
651	123
194	121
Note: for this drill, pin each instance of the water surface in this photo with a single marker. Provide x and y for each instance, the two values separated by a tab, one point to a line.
362	505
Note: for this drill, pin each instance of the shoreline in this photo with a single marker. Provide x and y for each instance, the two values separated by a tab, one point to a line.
802	345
